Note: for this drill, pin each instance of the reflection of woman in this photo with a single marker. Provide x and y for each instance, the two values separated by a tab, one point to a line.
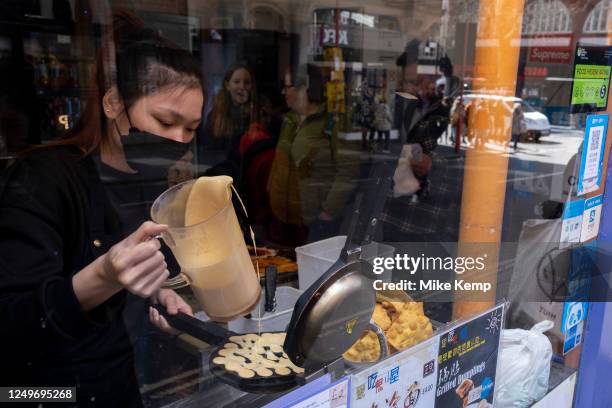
234	109
70	258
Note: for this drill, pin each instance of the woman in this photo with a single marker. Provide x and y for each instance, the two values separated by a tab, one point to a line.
234	109
71	260
310	182
383	121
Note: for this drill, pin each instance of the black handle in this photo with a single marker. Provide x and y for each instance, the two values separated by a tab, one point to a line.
208	332
369	205
271	273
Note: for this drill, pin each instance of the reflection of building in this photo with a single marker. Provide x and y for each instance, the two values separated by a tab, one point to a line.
271	35
551	30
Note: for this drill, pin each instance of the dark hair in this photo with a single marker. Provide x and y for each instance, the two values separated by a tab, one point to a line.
446	65
310	77
410	55
144	63
222	124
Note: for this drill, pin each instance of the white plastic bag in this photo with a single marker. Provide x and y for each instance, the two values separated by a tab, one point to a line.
405	183
524	369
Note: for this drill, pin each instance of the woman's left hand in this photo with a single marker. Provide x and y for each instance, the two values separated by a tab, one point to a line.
173	304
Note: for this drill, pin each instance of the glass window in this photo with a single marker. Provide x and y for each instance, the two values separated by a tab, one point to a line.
253	165
597	21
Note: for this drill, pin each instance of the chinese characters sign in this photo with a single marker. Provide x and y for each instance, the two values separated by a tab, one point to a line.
406	380
467	362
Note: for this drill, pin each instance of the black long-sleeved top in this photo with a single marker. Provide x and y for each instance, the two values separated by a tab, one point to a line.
55	218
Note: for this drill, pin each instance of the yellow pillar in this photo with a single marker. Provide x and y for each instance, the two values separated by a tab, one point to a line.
486	165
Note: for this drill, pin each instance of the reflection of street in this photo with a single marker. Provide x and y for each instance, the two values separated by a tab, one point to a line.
539	168
556	148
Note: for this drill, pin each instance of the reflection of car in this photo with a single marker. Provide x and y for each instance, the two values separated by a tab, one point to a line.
536	124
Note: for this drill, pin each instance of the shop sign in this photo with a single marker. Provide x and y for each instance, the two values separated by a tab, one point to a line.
335	97
591	164
467	361
572	324
591	218
591	80
329	37
571	225
550	55
407	379
536	72
325	36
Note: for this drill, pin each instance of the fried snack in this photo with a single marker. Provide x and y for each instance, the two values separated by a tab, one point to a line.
394	309
380	317
365	350
282	264
409	328
262	252
415	307
251	355
483	404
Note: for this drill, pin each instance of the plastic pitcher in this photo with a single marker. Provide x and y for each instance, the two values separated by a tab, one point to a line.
212	254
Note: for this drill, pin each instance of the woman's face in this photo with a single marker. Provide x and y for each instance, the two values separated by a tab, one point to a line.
239	86
172	113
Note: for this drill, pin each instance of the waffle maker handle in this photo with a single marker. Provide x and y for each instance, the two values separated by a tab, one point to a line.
208	332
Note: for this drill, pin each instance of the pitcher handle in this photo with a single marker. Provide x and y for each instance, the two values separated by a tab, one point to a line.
179	281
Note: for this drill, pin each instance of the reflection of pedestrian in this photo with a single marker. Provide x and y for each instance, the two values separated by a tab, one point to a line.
458	120
382	123
518	124
365	116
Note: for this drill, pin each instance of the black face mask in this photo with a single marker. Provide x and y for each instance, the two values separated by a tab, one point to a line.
143	147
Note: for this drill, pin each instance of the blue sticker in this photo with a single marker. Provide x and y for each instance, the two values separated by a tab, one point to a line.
589	178
487	386
463	334
573	314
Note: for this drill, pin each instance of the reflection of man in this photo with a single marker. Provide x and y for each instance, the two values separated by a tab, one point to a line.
425	115
432	217
311	177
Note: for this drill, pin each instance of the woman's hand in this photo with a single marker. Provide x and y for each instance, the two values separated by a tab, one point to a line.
136	263
173	303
